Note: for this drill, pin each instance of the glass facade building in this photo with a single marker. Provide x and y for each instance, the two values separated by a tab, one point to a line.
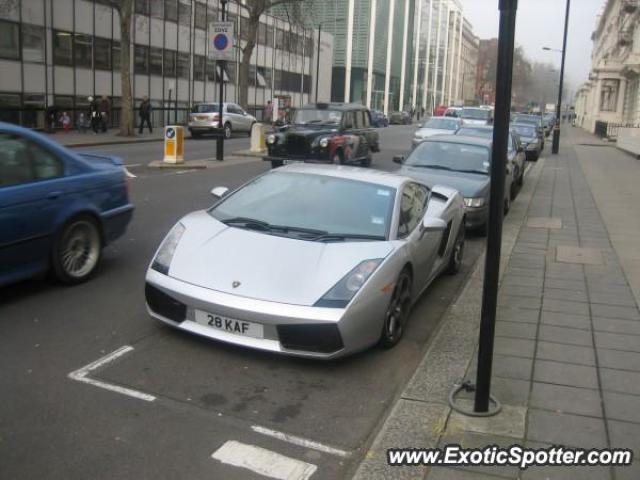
59	52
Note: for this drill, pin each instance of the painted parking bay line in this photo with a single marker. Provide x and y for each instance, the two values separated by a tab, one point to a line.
263	461
301	442
82	375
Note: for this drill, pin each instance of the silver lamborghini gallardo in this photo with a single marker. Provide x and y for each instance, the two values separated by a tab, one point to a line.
307	260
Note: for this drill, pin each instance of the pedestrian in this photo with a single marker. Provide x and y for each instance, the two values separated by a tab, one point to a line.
65	120
268	112
94	114
104	112
52	118
82	122
145	114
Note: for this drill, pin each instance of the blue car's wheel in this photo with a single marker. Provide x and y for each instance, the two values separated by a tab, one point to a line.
76	250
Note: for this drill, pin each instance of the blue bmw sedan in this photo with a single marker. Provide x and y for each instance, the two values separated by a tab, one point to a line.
58	209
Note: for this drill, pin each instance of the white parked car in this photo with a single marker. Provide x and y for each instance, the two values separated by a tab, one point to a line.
204	119
436	126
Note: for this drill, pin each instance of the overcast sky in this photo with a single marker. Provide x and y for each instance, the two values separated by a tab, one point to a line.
541	23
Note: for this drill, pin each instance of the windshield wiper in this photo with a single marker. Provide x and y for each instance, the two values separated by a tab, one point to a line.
341	237
255	224
435	167
482	172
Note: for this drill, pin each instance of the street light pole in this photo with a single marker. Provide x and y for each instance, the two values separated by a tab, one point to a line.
318	60
221	64
555	146
506	40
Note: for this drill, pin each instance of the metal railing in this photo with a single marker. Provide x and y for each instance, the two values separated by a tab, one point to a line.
610	130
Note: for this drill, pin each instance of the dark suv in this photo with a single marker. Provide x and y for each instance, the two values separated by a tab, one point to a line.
325	133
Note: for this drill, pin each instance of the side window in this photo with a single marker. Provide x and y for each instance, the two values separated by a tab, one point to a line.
365	119
357	119
348	120
22	161
412	208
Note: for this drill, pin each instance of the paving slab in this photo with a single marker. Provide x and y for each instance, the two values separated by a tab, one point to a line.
565	429
621	381
621	406
566	353
544	222
565	374
566	320
583	255
570	336
560	398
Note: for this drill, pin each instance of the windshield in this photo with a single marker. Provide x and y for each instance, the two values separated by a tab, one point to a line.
451	156
307	115
313	202
205	108
476	132
524	130
475	113
440	123
527	119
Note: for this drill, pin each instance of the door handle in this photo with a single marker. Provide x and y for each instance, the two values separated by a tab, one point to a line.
54	195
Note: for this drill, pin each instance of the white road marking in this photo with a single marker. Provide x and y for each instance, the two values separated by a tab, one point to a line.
263	462
82	375
301	442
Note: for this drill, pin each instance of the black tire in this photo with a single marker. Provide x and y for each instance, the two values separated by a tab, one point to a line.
276	163
227	131
514	187
76	250
520	181
338	158
366	163
195	135
507	204
457	253
251	129
397	313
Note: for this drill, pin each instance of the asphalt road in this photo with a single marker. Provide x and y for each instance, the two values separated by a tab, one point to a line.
206	393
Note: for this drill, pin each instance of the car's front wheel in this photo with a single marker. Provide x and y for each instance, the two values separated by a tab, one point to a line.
457	253
397	313
227	131
76	250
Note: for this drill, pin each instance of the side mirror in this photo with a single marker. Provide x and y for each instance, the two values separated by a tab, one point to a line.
219	192
431	224
398	159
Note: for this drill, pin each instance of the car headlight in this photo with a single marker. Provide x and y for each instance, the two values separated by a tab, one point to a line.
324	142
474	202
271	139
163	258
342	292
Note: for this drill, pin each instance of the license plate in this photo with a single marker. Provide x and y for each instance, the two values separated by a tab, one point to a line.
230	325
202	118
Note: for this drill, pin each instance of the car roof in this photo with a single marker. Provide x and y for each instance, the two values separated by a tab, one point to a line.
334	106
461	139
378	177
477	127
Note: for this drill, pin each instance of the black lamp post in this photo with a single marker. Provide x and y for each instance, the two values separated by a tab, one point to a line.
221	65
555	146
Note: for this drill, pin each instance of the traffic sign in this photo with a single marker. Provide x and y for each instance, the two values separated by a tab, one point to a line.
221	41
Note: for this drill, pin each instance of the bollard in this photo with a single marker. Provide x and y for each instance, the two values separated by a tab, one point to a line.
258	143
173	144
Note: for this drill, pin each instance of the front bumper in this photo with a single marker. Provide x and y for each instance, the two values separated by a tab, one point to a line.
284	325
476	217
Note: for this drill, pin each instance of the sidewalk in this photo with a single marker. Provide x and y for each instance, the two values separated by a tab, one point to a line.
567	349
75	139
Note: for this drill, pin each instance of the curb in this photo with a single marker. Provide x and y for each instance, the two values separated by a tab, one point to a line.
420	412
117	142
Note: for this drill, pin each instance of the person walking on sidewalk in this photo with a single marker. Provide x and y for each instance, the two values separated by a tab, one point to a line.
65	120
145	114
268	113
104	113
94	114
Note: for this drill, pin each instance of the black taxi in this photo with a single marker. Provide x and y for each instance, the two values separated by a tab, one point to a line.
325	133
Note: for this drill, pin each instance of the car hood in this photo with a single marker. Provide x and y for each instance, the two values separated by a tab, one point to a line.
473	121
265	267
468	184
430	132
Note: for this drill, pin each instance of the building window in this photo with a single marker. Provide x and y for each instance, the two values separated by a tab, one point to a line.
156	9
184	13
62	48
200	16
32	43
170	10
115	57
10	107
212	14
102	53
198	67
9	40
83	48
183	64
262	34
141	59
169	63
155	61
609	95
142	7
211	70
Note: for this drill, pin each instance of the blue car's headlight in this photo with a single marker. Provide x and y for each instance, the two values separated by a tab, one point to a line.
343	291
165	253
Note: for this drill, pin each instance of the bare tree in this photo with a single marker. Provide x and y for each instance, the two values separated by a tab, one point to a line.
255	9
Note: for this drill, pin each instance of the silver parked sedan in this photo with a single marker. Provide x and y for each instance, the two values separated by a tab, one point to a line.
307	260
